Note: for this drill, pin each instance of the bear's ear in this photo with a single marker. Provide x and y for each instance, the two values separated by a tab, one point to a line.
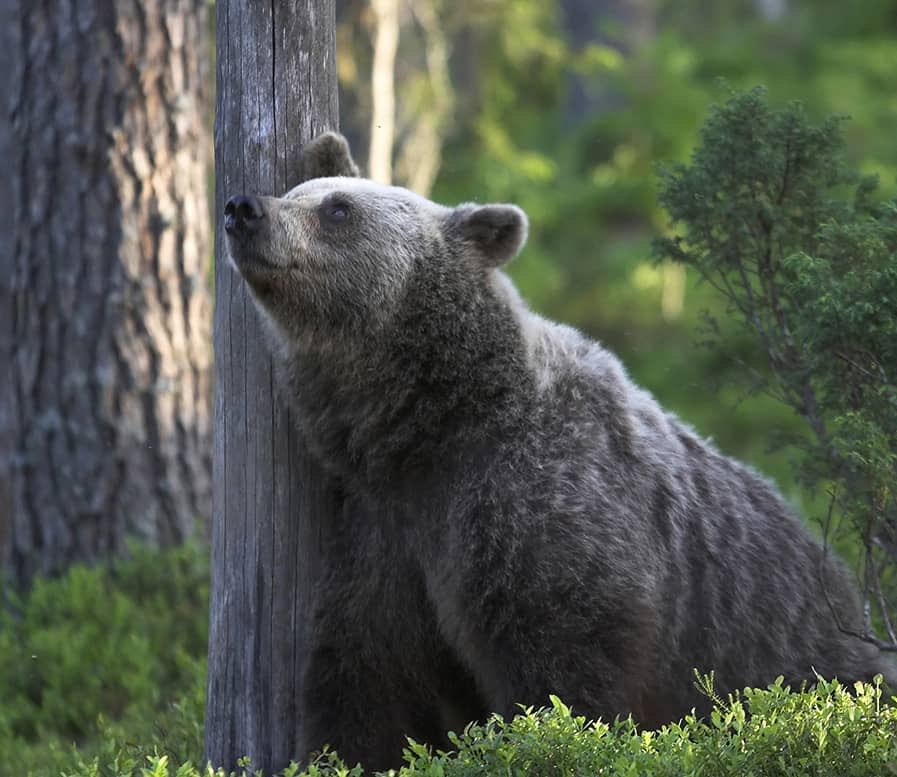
497	232
326	156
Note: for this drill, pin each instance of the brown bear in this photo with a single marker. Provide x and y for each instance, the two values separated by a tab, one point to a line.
533	522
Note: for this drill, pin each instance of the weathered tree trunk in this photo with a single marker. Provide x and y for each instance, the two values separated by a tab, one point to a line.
276	90
104	309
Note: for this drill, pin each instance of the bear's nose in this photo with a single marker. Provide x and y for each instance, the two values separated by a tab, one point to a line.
242	215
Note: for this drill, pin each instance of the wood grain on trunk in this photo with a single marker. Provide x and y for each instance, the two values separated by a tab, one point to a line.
276	90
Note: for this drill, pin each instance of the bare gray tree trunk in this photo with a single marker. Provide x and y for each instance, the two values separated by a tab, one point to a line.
276	90
105	394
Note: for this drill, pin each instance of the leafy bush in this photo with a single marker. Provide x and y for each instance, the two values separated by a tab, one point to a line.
805	258
104	652
826	732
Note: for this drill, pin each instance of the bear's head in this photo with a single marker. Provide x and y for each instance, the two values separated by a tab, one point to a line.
335	256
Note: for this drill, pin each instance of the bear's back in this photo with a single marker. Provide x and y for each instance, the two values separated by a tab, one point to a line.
737	582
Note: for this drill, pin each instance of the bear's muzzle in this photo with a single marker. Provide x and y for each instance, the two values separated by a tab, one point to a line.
243	216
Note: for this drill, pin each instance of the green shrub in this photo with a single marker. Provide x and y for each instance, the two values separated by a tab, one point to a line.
102	654
829	731
804	253
102	674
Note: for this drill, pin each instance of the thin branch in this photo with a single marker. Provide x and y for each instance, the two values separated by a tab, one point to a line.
868	637
868	373
880	597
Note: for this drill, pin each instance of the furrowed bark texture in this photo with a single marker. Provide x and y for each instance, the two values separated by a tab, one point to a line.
105	394
276	90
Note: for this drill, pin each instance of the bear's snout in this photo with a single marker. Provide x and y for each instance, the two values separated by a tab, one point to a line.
243	215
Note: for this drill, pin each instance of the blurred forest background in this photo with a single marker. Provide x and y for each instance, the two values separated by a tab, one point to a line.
565	107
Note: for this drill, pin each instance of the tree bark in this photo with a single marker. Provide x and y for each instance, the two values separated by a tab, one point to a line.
105	394
276	90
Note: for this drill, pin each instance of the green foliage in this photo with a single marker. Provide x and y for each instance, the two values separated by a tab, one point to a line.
826	731
114	651
806	261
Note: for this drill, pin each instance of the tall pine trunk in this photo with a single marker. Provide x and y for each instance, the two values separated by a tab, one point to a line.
276	90
105	387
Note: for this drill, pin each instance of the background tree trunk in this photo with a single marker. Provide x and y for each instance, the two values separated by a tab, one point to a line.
625	25
383	89
104	308
276	90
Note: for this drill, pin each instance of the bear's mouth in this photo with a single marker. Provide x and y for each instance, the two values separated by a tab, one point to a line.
249	262
253	264
258	273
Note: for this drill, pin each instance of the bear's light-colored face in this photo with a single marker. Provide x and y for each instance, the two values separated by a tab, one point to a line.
334	256
335	252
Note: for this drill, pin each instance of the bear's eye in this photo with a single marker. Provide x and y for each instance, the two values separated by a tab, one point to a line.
335	211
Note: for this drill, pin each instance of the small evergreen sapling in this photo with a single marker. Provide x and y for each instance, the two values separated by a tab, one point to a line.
805	256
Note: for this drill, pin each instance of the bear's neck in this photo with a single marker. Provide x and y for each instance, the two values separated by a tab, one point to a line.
429	397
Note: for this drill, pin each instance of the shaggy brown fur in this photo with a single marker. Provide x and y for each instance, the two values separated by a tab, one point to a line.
537	524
